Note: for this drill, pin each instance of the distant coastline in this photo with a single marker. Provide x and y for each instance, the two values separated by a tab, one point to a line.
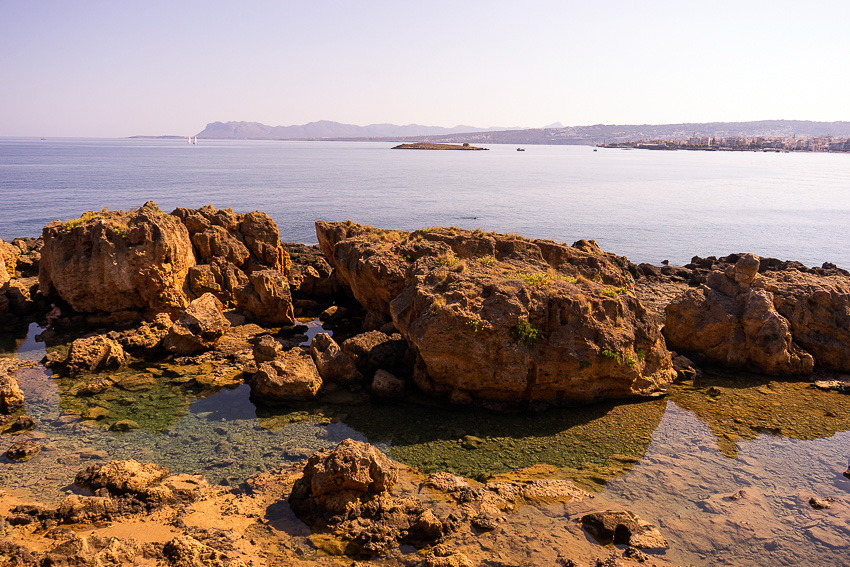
741	144
431	146
159	137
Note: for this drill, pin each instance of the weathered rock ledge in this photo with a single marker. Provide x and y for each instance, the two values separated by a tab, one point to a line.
501	318
359	504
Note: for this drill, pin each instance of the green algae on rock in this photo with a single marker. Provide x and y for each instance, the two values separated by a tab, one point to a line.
575	443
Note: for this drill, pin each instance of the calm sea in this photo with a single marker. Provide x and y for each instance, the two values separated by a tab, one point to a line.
646	205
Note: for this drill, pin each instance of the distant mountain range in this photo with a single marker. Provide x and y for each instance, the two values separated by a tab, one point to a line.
552	134
325	129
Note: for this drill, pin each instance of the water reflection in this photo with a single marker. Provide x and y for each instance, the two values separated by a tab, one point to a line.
589	444
738	406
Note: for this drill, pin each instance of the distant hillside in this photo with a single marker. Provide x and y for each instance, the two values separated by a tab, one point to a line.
554	134
325	129
605	133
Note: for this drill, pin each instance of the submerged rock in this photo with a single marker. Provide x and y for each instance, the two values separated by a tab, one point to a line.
93	354
502	318
186	551
23	449
23	423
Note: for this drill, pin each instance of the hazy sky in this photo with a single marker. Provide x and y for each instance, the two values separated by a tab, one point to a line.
120	68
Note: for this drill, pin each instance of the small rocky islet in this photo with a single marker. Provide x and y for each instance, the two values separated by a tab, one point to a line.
460	318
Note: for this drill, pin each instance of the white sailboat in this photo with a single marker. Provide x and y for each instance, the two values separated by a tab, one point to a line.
189	140
195	141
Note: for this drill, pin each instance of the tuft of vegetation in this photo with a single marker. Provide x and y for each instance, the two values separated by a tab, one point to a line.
540	279
488	261
584	364
438	305
640	354
611	355
475	324
614	291
525	333
88	216
630	361
447	259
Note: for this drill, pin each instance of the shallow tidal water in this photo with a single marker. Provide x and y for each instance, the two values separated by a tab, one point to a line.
725	466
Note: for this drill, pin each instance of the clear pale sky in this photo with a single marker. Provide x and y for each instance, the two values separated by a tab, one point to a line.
120	68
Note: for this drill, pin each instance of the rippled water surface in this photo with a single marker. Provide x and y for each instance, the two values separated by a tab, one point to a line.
646	205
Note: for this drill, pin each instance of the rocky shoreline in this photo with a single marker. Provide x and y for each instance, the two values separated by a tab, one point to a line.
461	317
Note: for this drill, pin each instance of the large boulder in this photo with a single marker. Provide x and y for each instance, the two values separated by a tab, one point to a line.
292	376
249	241
117	261
779	322
503	318
200	327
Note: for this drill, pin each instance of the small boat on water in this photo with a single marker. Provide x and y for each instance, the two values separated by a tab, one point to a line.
520	149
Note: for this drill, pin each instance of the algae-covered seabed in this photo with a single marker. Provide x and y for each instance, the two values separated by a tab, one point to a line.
674	461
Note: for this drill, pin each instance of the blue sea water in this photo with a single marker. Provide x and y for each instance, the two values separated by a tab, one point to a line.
647	205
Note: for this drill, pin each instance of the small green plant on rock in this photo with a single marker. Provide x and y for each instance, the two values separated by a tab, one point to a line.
475	324
611	355
524	333
488	261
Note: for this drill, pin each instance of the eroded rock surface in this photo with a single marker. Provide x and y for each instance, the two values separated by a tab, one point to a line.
333	364
93	354
117	261
501	318
291	376
11	395
200	327
241	262
775	322
623	528
346	489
